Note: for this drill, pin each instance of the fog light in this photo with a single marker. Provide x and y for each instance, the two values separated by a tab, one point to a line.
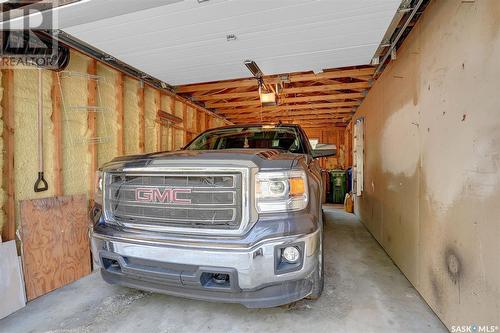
291	254
220	278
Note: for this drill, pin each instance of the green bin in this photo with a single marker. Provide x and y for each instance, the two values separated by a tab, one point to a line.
339	185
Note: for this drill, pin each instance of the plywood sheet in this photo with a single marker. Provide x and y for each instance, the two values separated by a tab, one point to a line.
11	282
55	242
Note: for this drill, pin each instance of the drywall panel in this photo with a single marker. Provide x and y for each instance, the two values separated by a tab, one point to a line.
432	177
460	135
11	281
392	132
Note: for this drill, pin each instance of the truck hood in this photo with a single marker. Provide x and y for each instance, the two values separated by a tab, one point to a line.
260	158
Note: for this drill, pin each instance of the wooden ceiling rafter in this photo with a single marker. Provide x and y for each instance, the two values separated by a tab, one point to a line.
302	123
316	106
291	115
304	95
284	100
190	88
286	112
293	120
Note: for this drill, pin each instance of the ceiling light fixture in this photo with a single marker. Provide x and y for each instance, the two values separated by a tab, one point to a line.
254	69
267	97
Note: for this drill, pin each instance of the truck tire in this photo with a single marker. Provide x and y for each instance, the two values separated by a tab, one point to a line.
319	279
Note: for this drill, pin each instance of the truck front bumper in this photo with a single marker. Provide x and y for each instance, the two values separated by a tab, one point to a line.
254	276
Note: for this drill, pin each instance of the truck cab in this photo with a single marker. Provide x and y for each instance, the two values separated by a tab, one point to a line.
235	216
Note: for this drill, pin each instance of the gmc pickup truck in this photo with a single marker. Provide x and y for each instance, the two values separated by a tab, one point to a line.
235	217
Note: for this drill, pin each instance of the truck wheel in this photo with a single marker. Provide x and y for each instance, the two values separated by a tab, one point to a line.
319	279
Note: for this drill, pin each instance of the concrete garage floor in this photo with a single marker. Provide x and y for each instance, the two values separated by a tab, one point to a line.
364	292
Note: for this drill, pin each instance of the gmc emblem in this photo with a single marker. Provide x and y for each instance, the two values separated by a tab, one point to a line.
169	195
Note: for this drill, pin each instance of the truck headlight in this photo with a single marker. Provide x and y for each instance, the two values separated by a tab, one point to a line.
99	180
280	191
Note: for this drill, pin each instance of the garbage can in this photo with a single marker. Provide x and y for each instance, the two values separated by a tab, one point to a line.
339	185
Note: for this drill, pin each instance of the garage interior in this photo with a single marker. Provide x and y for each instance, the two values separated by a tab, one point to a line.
406	90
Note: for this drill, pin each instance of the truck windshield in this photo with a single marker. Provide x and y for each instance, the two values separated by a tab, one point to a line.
256	137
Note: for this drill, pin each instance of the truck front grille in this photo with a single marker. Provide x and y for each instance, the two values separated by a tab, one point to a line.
187	200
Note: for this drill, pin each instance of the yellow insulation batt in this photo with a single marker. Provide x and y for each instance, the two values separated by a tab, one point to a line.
75	134
179	134
190	117
26	133
107	126
151	106
167	106
131	111
73	84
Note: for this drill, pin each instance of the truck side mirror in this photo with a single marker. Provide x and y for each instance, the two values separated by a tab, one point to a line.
324	150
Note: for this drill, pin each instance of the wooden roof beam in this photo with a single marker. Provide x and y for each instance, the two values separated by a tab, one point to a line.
230	95
327	87
336	74
324	122
287	100
296	116
293	121
339	124
332	97
328	112
291	113
290	90
290	107
275	79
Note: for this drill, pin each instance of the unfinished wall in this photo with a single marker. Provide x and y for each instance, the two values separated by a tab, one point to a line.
76	136
151	106
432	160
107	127
26	141
2	191
331	135
131	127
75	153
